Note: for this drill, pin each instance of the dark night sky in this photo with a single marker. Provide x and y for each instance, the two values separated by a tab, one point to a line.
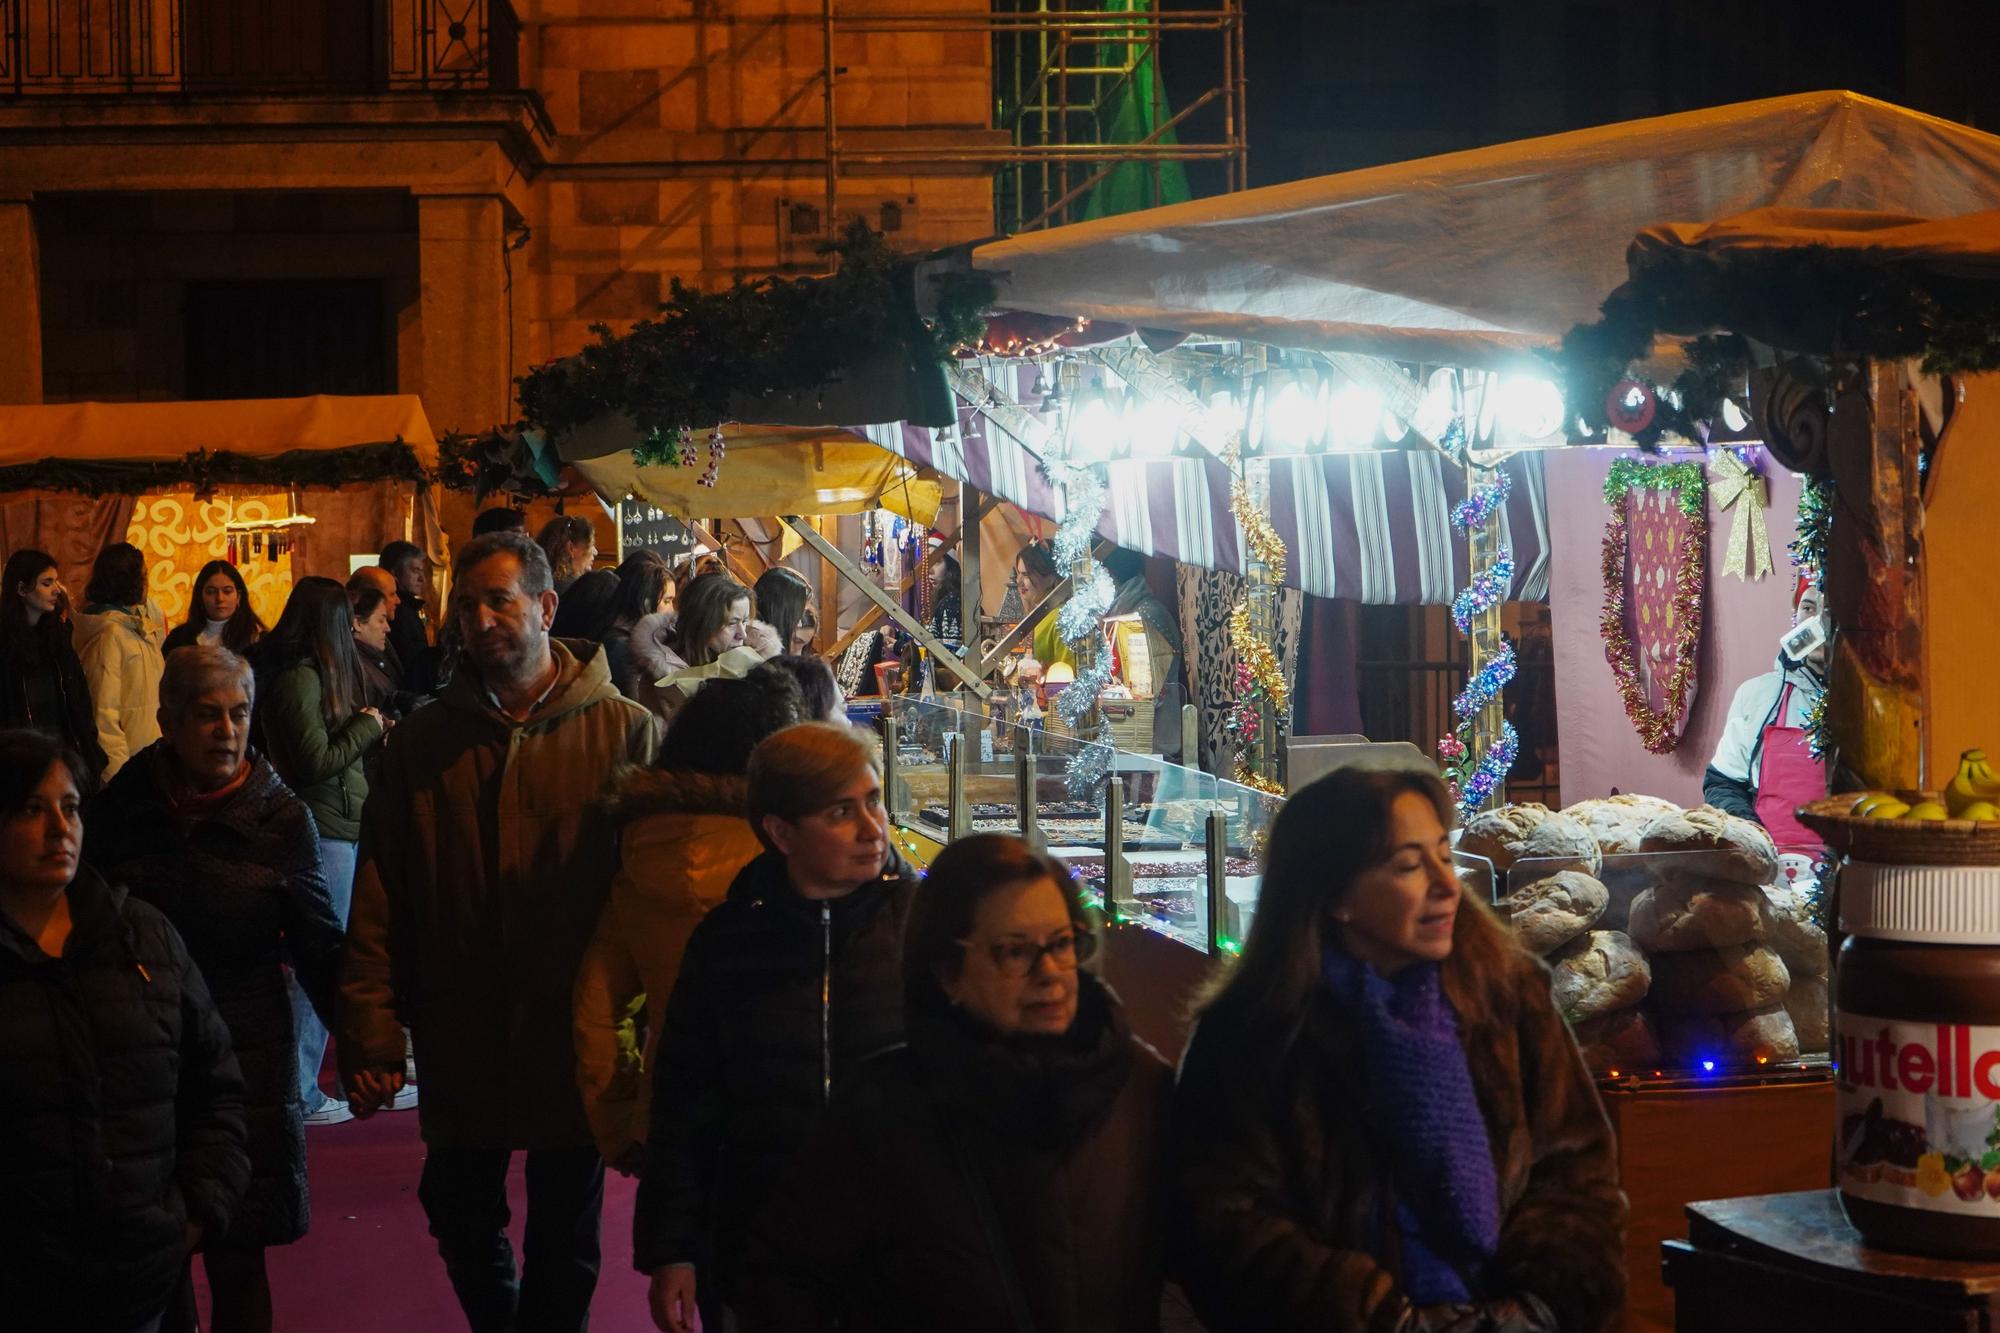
1338	84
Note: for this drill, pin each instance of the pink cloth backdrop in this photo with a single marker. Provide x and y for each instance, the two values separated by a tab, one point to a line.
1739	638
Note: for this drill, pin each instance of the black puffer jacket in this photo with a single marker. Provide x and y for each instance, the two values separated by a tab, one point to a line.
749	1055
876	1230
242	884
121	1117
42	687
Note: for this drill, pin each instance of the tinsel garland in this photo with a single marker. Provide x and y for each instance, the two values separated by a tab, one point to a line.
1480	506
1083	505
1659	731
203	471
1487	590
1485	684
1258	532
1808	549
1491	770
1080	622
1818	742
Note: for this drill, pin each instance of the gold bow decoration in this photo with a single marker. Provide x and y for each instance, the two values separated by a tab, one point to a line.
1734	485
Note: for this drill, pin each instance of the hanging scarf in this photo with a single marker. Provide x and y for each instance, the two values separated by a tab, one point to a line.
1423	1114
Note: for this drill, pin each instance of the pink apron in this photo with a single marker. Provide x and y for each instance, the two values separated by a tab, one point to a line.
1787	778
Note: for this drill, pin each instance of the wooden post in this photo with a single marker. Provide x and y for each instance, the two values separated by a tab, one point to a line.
969	512
1117	873
1482	549
1024	796
890	607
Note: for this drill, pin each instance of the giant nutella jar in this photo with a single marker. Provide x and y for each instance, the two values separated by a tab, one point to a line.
1917	1046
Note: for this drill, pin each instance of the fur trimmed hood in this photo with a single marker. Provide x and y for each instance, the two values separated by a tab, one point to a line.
653	655
655	791
763	639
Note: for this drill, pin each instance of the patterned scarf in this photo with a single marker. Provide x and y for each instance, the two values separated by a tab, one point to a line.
1423	1114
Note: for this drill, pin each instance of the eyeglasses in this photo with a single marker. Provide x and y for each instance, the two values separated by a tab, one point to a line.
1018	958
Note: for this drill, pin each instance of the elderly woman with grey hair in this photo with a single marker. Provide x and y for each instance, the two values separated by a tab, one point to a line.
203	829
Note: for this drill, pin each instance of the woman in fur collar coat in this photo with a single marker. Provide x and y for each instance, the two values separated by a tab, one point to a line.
683	839
712	618
1382	1125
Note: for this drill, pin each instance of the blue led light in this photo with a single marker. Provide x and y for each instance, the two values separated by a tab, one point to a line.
1708	1066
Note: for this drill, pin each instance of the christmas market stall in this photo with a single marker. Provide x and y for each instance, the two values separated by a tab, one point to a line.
280	487
1805	305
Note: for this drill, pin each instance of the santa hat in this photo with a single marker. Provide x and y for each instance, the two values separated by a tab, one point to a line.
1799	587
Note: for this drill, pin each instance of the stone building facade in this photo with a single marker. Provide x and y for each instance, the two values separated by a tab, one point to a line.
249	198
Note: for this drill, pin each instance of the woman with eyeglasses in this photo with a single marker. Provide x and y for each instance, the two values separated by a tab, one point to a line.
784	988
999	1172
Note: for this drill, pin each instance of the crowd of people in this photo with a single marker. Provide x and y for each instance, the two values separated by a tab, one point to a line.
594	864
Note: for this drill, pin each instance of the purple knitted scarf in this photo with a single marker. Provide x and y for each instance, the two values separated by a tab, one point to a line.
1423	1115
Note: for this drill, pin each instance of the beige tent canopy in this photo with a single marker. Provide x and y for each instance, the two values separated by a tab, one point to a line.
179	479
1470	258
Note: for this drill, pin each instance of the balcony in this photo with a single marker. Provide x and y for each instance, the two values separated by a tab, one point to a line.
256	47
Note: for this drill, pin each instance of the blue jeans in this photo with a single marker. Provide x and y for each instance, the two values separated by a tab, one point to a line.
336	862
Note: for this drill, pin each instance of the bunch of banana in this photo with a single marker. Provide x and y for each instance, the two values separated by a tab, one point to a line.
1974	791
1880	805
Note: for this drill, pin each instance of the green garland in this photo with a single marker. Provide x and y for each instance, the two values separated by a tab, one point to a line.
204	471
708	353
1810	301
1815	523
1686	480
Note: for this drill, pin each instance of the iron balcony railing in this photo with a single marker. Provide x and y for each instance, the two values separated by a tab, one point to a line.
96	47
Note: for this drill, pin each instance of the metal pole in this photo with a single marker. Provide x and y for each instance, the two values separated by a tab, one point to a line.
1215	853
958	815
1117	874
1024	793
892	802
832	159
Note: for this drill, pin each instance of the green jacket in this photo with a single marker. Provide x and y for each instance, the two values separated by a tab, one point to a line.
321	764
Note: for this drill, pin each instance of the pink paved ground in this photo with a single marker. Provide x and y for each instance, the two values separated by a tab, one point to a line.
369	1264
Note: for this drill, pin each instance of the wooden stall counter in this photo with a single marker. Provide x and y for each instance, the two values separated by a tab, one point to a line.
1791	1261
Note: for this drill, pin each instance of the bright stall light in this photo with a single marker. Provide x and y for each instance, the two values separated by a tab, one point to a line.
1225	414
1291	420
1152	427
1356	413
1097	430
1528	408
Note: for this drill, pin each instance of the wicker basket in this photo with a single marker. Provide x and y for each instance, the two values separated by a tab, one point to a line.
1902	842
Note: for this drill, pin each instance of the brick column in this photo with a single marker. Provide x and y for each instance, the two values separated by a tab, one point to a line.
467	380
20	304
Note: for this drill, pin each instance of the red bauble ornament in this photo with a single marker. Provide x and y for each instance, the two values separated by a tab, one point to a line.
1630	406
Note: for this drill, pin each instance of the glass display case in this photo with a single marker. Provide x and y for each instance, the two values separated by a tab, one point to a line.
1678	964
1156	844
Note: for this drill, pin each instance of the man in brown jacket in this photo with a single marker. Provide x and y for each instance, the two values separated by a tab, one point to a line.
483	867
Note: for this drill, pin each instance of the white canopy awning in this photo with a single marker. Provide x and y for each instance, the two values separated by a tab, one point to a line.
1473	257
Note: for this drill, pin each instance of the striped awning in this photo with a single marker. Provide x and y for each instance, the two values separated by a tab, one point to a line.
1370	527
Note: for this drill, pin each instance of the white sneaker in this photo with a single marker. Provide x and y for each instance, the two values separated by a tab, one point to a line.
329	1112
406	1098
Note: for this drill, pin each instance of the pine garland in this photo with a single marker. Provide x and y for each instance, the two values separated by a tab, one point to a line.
707	353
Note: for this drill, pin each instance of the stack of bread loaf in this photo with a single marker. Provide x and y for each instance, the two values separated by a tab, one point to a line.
1665	935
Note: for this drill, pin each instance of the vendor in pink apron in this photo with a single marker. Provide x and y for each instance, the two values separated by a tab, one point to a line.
1763	768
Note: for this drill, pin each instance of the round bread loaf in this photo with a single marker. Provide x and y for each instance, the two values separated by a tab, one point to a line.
1681	914
1598	972
1530	832
1741	1038
1797	937
1621	1040
1618	822
1551	912
1730	848
1811	1014
1718	981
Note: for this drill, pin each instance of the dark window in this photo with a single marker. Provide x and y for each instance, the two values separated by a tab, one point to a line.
273	44
286	339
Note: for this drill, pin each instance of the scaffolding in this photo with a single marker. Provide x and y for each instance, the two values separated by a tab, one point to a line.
1077	88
